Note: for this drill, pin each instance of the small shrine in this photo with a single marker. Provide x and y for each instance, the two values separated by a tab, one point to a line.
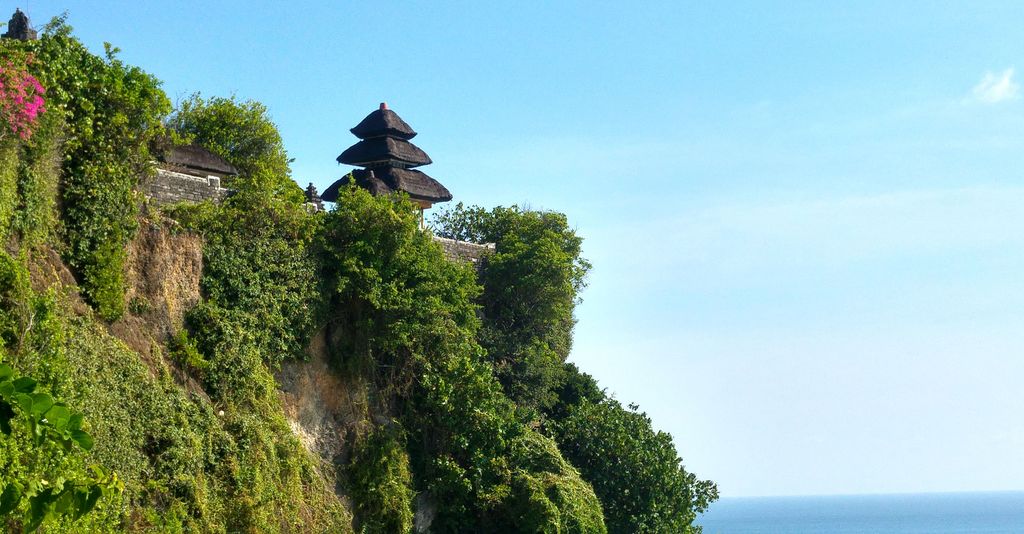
313	200
388	160
189	173
19	28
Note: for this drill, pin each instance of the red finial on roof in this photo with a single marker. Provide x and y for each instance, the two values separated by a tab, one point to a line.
383	105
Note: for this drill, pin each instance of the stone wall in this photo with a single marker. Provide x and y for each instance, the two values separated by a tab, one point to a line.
170	186
463	251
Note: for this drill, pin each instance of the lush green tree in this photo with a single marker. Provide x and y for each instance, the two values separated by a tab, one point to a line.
259	267
404	315
531	286
261	294
576	387
547	494
244	135
635	470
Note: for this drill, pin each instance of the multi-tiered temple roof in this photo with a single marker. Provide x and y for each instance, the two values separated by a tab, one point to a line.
388	159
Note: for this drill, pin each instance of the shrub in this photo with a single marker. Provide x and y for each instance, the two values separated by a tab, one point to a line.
634	470
382	482
531	286
404	315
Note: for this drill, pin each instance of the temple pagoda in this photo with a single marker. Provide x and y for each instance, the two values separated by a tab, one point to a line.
388	160
19	28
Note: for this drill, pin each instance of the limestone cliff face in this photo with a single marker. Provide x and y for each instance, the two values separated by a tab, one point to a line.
163	270
329	411
324	409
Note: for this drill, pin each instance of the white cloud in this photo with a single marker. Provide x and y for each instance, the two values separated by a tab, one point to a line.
995	88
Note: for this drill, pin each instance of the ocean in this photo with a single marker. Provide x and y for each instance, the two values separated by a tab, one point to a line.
995	512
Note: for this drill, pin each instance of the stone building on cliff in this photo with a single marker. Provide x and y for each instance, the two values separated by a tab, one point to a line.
189	173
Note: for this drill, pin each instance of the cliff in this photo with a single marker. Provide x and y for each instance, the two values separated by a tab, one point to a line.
197	362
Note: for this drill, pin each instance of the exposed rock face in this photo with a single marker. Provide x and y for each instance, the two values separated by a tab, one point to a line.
163	273
324	410
163	277
426	510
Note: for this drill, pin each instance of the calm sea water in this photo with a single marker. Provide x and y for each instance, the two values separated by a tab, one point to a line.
1001	512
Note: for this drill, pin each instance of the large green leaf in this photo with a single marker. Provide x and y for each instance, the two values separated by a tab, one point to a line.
75	422
6	413
39	508
83	439
64	501
24	385
9	499
24	401
41	403
58	416
90	501
6	371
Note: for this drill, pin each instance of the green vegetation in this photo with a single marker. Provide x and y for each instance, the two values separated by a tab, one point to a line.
634	470
382	482
107	113
35	487
407	320
468	415
243	134
531	285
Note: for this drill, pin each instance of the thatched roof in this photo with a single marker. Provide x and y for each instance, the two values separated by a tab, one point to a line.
383	122
384	149
385	180
197	158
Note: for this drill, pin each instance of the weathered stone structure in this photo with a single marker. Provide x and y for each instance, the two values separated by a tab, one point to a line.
464	251
19	28
189	174
169	187
313	201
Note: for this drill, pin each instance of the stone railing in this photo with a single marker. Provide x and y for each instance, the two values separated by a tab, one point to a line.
464	251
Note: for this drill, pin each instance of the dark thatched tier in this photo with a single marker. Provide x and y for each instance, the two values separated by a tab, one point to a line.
198	158
384	180
383	122
369	152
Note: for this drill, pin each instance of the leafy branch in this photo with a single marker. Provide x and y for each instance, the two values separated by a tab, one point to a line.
47	422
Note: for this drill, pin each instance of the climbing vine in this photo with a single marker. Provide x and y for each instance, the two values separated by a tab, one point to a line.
110	112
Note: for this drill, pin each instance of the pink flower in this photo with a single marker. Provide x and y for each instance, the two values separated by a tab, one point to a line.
21	100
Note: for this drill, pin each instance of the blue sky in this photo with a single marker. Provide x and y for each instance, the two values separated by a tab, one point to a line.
805	219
